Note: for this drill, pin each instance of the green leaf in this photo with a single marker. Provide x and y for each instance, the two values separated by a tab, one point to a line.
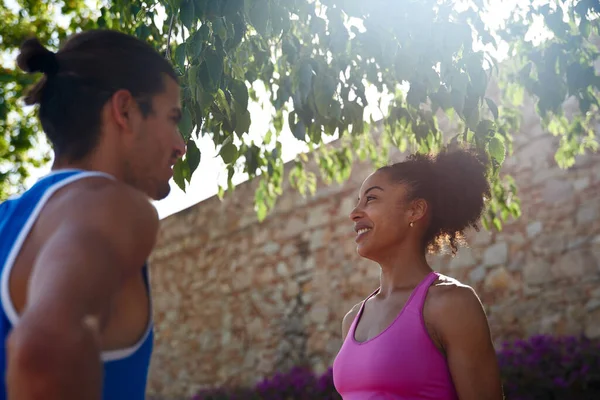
443	98
404	65
214	64
237	71
194	47
186	13
230	173
353	112
180	56
192	156
473	118
204	32
585	27
493	107
303	80
485	128
299	131
268	137
181	173
459	82
220	29
317	25
336	111
232	8
458	101
222	103
324	88
186	124
297	127
239	91
193	77
228	153
497	149
242	121
252	160
220	192
259	16
417	94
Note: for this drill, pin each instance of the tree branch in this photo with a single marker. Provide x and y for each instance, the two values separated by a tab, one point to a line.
168	52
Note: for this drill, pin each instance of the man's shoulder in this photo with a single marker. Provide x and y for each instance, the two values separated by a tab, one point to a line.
101	193
100	201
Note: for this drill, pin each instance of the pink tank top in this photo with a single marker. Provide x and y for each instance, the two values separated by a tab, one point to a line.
401	363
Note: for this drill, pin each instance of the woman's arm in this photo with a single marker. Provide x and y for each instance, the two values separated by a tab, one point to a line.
461	324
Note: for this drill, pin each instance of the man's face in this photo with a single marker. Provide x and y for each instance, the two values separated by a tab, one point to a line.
157	144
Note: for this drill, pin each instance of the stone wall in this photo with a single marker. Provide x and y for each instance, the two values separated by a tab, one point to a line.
236	300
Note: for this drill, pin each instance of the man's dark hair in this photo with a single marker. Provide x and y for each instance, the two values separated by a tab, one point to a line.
82	76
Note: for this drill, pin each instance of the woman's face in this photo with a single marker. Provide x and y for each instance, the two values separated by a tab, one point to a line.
382	216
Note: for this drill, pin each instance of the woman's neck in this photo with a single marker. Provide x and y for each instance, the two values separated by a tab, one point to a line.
402	270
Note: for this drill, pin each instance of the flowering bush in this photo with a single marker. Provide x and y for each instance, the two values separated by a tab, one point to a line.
540	368
297	384
546	367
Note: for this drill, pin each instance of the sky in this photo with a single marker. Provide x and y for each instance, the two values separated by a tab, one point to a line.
211	171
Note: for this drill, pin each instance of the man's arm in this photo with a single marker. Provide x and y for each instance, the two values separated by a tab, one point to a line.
462	325
103	239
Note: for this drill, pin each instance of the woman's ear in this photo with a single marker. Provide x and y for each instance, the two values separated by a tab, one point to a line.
417	210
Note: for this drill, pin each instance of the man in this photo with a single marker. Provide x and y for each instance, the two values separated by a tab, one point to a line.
76	310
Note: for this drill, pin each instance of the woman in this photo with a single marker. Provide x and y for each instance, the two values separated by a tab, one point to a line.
420	335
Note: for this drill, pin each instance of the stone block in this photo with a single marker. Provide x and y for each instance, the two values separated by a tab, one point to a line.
534	229
477	274
282	269
319	314
592	324
295	226
576	264
317	239
581	183
496	254
592	305
317	216
587	214
464	258
500	280
536	271
346	207
270	248
556	191
549	244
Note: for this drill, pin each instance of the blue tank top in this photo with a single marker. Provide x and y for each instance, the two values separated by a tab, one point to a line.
126	370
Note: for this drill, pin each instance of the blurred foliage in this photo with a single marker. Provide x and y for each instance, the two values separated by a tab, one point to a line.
316	60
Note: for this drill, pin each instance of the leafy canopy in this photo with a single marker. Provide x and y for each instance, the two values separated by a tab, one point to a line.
316	60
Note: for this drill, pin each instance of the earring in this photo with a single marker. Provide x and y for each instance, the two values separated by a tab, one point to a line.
411	224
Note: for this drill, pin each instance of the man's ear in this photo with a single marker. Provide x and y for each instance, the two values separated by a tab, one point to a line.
122	104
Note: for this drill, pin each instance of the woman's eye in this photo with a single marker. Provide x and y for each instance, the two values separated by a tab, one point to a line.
369	198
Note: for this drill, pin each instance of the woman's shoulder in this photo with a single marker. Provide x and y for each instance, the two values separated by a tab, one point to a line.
448	296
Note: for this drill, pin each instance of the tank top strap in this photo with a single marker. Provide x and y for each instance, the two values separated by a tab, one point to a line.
418	298
361	309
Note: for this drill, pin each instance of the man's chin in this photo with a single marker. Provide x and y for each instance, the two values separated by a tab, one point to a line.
162	192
